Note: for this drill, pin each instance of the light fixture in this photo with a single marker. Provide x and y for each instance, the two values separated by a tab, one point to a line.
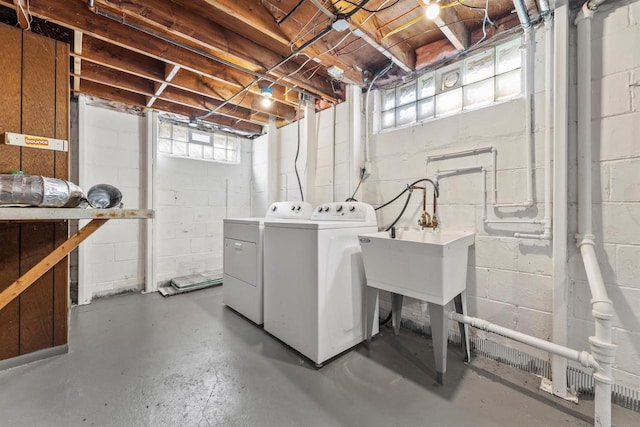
335	72
193	122
340	24
267	95
433	9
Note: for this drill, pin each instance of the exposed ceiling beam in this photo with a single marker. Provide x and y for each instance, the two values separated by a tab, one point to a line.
214	89
223	121
121	80
449	23
22	13
359	26
77	61
180	23
254	14
117	58
171	71
74	14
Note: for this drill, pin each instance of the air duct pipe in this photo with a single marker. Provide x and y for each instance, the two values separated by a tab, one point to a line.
39	191
601	343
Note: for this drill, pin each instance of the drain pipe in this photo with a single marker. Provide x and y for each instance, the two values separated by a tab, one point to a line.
601	343
582	357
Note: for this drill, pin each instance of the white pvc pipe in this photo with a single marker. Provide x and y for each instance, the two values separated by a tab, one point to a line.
560	278
583	357
528	59
602	309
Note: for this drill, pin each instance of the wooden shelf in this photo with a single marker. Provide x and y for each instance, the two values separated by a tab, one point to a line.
98	218
27	214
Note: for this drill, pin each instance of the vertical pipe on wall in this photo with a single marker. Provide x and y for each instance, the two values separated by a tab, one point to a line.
560	192
354	98
601	343
273	160
84	296
150	226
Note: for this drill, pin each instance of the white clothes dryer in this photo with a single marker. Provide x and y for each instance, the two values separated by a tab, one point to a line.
243	253
314	282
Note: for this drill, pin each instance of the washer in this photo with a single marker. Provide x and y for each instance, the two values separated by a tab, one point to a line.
314	281
242	264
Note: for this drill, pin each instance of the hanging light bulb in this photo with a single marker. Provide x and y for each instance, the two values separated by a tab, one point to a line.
433	9
267	96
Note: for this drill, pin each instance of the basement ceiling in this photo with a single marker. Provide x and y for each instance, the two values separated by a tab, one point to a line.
212	59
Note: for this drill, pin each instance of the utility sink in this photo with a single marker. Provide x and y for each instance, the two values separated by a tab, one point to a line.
424	264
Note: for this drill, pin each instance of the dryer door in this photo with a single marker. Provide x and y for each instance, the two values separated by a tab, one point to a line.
241	260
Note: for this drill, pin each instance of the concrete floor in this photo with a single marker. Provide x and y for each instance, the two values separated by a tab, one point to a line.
141	360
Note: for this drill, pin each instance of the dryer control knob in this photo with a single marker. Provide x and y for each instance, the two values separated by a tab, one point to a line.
326	208
298	208
293	208
319	208
273	208
338	208
352	208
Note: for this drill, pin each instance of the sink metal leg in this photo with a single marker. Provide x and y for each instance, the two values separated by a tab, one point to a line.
461	307
396	312
439	335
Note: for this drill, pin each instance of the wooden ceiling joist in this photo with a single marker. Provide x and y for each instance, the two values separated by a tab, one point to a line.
22	13
180	23
451	26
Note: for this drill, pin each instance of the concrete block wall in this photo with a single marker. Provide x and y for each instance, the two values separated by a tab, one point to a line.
509	279
109	148
616	184
194	196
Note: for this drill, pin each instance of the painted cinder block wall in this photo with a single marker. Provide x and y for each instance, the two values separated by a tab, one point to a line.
110	153
192	198
616	186
509	279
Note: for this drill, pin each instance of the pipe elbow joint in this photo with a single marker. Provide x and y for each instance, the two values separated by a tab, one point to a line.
587	239
602	309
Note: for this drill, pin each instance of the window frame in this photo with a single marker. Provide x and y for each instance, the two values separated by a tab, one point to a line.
220	144
442	87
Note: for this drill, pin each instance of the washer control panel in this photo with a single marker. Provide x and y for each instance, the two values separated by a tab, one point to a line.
301	210
344	211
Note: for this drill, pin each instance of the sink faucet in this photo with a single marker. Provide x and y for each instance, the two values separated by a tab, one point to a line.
426	220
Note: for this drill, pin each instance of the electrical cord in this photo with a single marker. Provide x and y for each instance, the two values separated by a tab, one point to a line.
351	199
295	164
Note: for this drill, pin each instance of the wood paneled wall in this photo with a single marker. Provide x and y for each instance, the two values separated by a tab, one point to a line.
34	100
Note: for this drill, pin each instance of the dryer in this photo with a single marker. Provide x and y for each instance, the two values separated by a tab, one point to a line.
314	282
243	253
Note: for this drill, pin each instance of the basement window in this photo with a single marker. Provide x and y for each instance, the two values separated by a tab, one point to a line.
183	141
490	76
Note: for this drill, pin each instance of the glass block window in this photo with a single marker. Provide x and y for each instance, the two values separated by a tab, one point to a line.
183	141
476	81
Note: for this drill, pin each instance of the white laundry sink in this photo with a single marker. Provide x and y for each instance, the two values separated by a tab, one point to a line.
424	264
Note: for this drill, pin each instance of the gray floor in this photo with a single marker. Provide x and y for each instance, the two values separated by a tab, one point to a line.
141	360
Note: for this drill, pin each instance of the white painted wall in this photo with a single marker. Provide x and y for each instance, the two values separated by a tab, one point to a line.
509	279
111	260
193	198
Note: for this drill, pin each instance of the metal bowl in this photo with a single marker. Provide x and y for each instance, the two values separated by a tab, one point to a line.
104	196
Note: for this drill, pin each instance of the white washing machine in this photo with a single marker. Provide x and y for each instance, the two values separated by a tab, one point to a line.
314	282
243	253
